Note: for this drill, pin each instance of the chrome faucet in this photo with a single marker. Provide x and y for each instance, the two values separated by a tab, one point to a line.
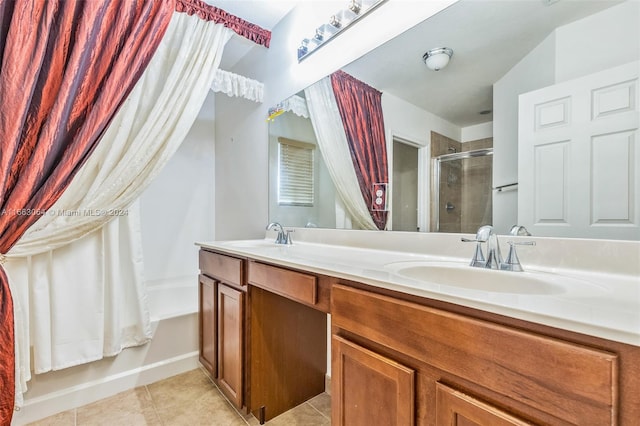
494	260
494	257
482	236
512	263
283	237
519	230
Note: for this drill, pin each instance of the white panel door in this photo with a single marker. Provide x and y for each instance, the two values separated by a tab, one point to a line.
579	157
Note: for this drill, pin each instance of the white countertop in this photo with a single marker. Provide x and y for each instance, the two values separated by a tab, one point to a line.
594	301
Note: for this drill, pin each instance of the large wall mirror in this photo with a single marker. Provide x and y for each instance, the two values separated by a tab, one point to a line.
534	121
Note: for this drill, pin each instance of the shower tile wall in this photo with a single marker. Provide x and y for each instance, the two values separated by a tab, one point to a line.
450	189
477	144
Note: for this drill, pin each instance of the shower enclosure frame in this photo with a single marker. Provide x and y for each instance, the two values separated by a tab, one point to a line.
436	174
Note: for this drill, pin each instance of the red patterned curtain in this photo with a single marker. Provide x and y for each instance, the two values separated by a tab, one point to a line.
360	107
65	68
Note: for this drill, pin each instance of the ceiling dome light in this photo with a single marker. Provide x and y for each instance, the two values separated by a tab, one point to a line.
438	58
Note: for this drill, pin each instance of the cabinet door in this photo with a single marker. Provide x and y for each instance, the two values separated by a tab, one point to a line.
207	323
368	388
230	342
454	408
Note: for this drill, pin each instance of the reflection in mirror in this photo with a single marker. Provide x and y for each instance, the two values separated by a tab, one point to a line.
290	126
552	87
462	190
405	186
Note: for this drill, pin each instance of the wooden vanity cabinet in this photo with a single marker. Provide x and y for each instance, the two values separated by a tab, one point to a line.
399	359
373	389
423	365
263	332
207	290
230	326
222	322
288	338
455	408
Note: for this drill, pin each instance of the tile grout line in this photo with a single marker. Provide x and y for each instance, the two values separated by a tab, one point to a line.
153	404
203	371
321	413
246	419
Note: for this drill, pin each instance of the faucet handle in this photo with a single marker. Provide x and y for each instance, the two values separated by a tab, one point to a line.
280	238
478	259
288	239
519	230
512	263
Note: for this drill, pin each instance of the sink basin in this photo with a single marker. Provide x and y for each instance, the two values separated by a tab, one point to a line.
467	277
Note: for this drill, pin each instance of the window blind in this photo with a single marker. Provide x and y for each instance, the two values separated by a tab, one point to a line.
295	173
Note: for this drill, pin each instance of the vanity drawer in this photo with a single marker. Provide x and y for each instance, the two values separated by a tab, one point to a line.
285	282
224	268
551	375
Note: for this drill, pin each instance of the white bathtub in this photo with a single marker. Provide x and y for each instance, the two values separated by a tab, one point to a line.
173	299
173	307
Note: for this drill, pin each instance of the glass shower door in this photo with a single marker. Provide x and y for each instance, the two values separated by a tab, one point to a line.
462	191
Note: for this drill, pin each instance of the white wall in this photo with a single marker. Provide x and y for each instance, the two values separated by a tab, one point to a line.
407	121
177	209
241	130
534	71
477	131
597	42
241	169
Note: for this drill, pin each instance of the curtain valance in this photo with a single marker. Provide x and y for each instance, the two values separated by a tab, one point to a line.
234	85
207	12
297	105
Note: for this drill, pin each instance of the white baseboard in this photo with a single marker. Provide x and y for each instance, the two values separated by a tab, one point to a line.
76	396
327	384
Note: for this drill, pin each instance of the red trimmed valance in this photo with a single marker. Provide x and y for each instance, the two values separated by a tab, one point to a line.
207	12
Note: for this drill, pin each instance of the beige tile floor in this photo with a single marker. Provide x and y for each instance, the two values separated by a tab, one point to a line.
189	399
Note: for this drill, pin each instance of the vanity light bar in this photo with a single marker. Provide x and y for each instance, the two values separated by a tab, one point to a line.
338	22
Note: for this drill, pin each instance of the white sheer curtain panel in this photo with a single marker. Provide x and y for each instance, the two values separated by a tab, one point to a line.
80	302
78	285
334	147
